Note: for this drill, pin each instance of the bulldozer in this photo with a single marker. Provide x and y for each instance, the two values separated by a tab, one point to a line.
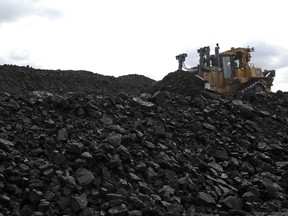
229	71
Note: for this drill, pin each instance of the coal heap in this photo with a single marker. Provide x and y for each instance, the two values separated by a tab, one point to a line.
23	80
149	148
180	82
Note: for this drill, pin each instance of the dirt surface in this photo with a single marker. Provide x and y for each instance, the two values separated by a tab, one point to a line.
78	143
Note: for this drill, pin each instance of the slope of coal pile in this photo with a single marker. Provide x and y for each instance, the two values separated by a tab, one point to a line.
161	154
23	80
180	82
135	83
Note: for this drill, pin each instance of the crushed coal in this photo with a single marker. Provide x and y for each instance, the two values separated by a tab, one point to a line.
79	143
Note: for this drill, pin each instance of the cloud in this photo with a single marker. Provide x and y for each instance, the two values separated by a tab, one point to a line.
192	59
14	10
268	56
48	13
18	57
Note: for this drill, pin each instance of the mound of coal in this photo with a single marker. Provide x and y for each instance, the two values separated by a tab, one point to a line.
134	84
164	153
23	80
179	82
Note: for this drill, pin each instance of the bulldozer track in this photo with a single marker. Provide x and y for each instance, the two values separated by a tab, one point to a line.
256	87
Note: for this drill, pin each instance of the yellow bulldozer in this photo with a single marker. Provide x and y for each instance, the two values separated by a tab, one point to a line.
229	71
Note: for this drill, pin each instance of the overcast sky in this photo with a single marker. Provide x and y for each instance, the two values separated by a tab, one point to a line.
120	37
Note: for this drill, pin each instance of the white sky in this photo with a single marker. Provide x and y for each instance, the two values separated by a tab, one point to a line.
120	37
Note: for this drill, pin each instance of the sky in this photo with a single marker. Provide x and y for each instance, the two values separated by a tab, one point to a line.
121	37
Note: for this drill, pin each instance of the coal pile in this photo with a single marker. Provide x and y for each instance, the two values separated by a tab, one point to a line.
180	82
158	152
23	80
